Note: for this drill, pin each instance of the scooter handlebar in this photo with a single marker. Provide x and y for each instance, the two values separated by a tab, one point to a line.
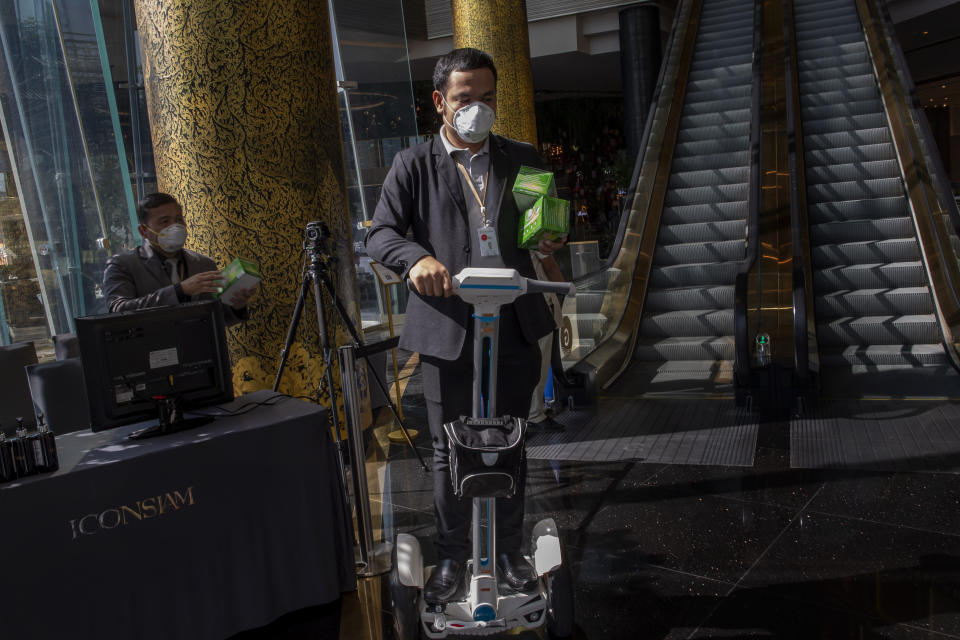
544	286
533	286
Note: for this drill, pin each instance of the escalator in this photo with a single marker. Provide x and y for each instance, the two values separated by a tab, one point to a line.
876	323
685	340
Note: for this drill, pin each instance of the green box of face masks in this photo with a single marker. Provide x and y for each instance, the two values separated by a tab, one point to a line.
239	274
532	184
547	218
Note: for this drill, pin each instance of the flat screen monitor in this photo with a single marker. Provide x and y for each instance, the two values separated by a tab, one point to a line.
154	364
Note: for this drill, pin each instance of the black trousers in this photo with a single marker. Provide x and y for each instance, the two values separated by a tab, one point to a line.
448	391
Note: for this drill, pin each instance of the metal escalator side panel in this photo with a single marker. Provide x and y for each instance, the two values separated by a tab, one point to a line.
933	225
806	350
747	276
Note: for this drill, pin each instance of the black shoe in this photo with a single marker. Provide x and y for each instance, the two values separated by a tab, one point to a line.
516	571
548	424
445	580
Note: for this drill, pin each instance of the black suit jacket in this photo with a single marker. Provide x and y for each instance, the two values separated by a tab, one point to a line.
136	279
423	194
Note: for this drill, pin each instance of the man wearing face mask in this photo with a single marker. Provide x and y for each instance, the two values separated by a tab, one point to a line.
453	195
161	272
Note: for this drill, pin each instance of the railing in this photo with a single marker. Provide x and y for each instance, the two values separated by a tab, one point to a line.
741	364
623	279
934	215
805	350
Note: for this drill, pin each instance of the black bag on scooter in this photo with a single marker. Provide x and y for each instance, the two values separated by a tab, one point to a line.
485	456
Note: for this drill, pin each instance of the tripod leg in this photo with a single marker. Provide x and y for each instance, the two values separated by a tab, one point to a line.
345	318
292	330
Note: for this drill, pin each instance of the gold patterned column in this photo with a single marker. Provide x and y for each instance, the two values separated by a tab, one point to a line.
499	27
246	135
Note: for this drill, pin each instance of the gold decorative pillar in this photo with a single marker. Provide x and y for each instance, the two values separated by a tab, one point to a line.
246	135
499	27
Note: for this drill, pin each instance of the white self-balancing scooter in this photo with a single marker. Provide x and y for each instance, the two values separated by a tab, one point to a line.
486	453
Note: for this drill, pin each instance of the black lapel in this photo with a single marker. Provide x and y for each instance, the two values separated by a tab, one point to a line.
499	176
447	170
153	264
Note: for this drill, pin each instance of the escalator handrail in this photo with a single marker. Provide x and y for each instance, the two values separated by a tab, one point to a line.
937	263
801	284
681	50
938	171
741	364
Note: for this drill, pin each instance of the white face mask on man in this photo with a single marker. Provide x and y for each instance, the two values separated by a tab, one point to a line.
171	238
472	122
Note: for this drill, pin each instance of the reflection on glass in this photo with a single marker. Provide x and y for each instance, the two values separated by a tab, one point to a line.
378	120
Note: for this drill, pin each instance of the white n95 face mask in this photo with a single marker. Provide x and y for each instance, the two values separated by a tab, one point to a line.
171	238
473	122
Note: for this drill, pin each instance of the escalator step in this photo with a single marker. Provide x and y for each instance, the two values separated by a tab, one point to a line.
865	81
713	212
688	298
715	118
708	177
859	57
703	322
698	134
876	330
705	348
812	126
734	73
711	147
697	274
855	190
824	157
895	250
707	195
827	98
723	93
869	276
701	232
827	54
719	251
824	12
828	29
853	171
843	109
713	106
833	233
838	41
874	302
915	355
716	62
716	84
714	161
834	72
874	208
879	135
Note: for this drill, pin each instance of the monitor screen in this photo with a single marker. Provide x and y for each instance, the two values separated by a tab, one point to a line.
131	359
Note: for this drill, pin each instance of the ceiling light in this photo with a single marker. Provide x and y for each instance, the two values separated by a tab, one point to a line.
925	33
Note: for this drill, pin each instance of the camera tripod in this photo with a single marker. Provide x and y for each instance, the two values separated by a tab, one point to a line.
316	274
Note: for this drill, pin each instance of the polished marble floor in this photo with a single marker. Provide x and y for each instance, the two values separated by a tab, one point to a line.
670	551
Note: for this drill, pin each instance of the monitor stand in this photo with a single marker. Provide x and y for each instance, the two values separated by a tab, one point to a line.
170	419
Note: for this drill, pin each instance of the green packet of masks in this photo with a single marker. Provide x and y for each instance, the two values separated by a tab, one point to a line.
548	218
531	185
239	274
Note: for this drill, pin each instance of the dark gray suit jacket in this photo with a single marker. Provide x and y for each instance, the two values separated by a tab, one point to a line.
136	279
423	193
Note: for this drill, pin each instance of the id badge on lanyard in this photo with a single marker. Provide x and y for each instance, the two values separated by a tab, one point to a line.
486	234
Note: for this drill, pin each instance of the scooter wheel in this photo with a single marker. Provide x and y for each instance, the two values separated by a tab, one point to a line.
560	599
405	606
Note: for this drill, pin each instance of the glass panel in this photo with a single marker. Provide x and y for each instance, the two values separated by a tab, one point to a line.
61	126
379	119
22	316
594	314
